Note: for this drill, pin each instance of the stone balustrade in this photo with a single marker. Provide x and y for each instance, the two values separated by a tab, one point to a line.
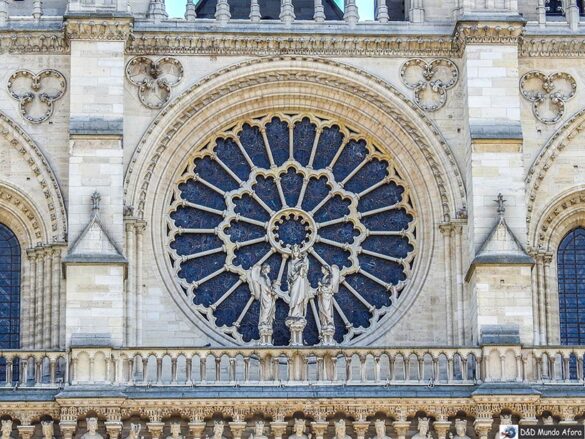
292	366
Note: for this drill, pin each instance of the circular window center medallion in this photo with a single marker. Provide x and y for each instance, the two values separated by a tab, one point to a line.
290	227
291	230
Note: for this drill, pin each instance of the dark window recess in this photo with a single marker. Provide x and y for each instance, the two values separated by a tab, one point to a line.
571	276
555	7
9	289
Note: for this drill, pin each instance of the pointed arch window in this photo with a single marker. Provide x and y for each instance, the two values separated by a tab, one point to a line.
10	268
571	278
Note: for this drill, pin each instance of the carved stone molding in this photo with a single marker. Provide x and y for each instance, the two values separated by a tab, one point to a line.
548	94
37	93
33	42
269	45
549	46
92	29
487	33
43	172
26	212
154	79
430	81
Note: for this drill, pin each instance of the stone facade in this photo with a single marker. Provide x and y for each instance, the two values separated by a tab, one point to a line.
476	111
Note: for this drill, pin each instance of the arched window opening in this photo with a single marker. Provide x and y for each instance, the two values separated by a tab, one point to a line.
571	277
9	289
555	8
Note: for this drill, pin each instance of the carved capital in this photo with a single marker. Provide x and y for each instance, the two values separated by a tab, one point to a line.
469	32
117	29
155	429
237	428
361	428
278	429
113	428
442	428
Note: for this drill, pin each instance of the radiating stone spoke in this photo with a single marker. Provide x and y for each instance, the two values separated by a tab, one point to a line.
209	185
251	242
381	256
374	187
354	171
347	323
337	154
358	296
386	232
208	277
319	258
244	152
321	203
245	219
227	294
281	270
267	147
302	193
244	312
315	313
379	210
187	231
227	169
374	278
184	258
341	245
342	219
186	203
281	193
262	203
314	148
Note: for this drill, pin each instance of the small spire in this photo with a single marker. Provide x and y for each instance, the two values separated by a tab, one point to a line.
96	198
190	13
501	207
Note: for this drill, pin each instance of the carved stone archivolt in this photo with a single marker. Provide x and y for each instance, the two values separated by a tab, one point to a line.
430	81
154	79
548	94
37	93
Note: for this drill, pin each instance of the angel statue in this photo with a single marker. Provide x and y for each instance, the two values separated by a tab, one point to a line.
6	428
264	291
134	431
47	429
299	291
328	287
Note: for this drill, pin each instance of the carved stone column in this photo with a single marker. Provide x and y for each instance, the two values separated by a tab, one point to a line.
483	427
361	428
237	428
114	428
67	428
25	431
196	429
319	428
278	428
442	428
155	429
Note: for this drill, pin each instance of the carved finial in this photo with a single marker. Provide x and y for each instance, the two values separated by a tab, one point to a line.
222	11
96	198
190	13
501	207
255	14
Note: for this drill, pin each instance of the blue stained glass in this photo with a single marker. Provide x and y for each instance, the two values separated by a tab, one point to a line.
230	154
266	189
253	143
329	142
251	220
371	173
10	259
278	137
212	172
303	138
385	195
189	244
240	231
571	268
352	155
291	186
335	208
317	189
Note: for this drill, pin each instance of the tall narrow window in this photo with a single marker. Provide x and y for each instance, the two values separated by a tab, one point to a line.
571	273
9	289
555	7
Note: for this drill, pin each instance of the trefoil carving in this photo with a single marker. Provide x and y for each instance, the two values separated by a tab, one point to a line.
548	94
154	79
430	81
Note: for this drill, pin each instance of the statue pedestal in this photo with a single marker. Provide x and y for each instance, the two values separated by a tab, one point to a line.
265	335
327	334
296	327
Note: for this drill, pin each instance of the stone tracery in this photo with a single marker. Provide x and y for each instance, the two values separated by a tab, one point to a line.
276	183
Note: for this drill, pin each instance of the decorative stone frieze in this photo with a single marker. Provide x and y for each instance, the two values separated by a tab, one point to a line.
430	81
548	94
493	32
95	29
154	79
544	46
147	43
33	42
37	93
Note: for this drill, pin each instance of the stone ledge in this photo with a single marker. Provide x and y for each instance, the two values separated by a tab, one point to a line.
96	127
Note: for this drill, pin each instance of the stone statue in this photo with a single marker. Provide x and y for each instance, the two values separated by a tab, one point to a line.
259	431
298	430
460	429
340	430
6	428
299	293
47	429
380	425
328	287
134	431
217	430
548	420
175	431
423	429
91	433
299	288
264	291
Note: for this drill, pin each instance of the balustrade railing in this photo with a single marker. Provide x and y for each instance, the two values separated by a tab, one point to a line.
268	366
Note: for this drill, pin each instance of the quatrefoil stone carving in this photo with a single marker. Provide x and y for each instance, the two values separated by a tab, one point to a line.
37	93
430	81
154	79
548	94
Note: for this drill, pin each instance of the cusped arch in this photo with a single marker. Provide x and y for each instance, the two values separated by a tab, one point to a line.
327	89
55	226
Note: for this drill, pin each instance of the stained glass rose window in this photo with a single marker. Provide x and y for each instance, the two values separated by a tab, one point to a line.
265	186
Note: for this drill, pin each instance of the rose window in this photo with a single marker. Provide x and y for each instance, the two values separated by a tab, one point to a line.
274	183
